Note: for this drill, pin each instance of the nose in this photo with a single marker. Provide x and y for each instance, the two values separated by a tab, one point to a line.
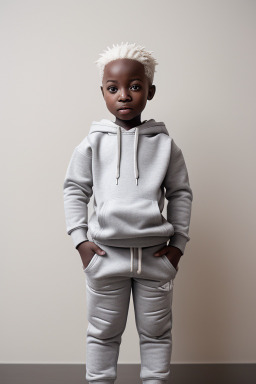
124	95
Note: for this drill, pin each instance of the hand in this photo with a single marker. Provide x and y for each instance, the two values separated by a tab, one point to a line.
172	253
87	249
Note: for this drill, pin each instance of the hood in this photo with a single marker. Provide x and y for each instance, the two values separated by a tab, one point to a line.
148	127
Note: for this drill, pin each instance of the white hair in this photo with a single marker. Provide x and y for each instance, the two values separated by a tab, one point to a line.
128	51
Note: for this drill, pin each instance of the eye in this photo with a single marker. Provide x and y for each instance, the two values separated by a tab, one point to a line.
135	87
112	89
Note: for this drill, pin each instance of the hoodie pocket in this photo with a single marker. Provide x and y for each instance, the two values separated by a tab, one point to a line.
124	218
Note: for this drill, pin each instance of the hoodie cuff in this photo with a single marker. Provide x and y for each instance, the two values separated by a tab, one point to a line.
178	241
79	235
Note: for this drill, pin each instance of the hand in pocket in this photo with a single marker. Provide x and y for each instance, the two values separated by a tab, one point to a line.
87	250
172	253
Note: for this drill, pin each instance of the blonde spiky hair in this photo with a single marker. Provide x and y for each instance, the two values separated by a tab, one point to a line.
128	51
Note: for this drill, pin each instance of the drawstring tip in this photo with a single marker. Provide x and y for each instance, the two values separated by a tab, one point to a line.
116	181
131	249
139	259
136	181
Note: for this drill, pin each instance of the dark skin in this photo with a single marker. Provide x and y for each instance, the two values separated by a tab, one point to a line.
126	86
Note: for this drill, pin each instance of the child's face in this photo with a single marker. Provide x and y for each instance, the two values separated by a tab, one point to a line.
126	89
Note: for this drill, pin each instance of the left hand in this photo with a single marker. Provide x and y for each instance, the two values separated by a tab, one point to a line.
173	254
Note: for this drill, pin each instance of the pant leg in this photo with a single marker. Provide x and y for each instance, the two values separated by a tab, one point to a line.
108	288
152	297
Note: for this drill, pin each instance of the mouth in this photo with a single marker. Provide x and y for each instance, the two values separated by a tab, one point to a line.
124	111
123	108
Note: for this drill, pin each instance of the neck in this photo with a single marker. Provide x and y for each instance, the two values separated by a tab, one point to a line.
129	123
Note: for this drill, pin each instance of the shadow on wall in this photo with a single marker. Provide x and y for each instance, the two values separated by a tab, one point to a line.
211	306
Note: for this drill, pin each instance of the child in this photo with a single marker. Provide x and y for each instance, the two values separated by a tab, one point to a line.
131	167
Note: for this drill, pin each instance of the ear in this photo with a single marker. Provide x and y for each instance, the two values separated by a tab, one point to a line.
151	92
102	91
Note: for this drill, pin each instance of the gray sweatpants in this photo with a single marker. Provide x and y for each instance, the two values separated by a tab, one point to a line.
109	280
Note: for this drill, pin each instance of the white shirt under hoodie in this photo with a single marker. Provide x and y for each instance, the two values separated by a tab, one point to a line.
129	173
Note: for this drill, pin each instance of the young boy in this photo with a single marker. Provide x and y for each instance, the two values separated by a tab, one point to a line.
131	167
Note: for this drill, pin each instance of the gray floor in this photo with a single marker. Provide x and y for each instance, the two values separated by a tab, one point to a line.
128	374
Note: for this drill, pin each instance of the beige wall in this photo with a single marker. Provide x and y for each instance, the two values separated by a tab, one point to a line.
205	94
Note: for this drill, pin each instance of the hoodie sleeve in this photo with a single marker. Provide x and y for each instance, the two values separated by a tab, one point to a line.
77	191
179	196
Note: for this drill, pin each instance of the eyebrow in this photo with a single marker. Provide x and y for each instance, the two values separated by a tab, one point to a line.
115	81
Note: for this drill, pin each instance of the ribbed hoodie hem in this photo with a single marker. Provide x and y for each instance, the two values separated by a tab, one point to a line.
142	242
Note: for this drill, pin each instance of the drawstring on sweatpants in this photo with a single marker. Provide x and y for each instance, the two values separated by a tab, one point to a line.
132	250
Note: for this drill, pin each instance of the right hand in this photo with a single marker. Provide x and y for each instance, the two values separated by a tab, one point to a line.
87	249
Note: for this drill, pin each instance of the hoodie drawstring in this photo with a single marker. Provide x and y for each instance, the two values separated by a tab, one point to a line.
136	140
118	154
132	250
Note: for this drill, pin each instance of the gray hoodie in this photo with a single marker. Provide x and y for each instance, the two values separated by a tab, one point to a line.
130	173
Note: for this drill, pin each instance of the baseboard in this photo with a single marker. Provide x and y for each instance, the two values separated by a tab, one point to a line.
128	374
